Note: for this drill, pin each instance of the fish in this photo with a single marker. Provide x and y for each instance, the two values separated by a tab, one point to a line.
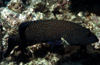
51	32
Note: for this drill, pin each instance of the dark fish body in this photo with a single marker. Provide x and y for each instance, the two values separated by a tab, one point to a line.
45	31
53	30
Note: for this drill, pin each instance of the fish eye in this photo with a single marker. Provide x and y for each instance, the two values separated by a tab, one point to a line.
88	34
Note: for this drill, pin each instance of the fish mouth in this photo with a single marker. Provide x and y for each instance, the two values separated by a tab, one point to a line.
96	40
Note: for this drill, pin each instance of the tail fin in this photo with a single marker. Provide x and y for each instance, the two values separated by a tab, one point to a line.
11	45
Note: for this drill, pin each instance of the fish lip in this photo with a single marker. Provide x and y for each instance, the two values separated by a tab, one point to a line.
97	40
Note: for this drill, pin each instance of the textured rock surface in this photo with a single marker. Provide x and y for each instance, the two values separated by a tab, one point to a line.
83	12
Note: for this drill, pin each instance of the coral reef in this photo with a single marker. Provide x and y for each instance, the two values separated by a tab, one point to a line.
17	11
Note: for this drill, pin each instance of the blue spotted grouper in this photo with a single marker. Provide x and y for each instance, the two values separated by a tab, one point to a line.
50	31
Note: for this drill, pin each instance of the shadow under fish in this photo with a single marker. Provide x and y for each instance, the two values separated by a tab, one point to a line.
51	32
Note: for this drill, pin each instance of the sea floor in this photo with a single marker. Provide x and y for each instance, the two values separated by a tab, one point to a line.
84	12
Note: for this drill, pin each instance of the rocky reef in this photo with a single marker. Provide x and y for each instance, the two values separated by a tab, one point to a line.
16	12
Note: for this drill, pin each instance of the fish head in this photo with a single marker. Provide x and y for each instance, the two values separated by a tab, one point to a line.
81	37
90	37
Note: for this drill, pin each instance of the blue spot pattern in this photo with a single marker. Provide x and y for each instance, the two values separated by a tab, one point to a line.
53	30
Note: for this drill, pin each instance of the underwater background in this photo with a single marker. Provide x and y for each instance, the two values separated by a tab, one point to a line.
85	13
